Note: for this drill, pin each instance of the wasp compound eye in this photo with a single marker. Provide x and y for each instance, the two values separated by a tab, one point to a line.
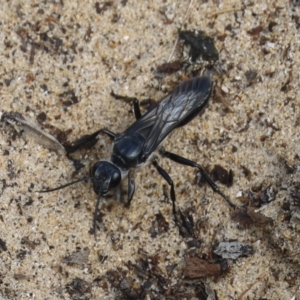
106	176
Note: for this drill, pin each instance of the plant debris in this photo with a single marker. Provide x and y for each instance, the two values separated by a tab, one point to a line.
201	46
233	250
196	267
79	257
22	123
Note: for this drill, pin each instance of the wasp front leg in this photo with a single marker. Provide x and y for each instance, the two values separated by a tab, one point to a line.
131	189
88	140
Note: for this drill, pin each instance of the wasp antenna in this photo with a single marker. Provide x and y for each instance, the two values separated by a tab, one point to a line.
65	185
95	213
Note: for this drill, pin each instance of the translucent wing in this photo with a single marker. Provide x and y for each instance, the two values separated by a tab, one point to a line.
175	110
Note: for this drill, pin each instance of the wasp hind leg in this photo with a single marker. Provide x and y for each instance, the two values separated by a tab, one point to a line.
190	163
185	223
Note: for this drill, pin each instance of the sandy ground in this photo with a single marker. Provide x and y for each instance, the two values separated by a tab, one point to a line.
60	60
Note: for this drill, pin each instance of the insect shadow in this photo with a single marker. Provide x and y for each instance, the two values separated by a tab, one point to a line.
136	145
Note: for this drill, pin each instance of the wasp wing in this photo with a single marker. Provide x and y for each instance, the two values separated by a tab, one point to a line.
175	110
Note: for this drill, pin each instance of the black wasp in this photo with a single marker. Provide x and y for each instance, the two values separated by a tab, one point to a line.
136	145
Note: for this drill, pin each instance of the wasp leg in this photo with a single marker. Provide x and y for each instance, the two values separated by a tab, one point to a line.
187	162
136	108
167	177
87	140
185	223
131	189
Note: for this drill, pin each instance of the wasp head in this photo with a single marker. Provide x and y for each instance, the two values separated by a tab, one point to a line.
105	177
